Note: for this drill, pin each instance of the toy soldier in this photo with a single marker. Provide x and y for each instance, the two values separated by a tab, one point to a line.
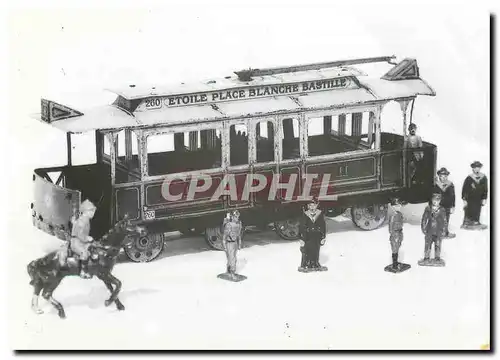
447	190
414	142
396	238
80	239
312	232
433	226
231	241
474	195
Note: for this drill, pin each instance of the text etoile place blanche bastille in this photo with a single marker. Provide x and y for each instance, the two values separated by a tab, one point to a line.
251	92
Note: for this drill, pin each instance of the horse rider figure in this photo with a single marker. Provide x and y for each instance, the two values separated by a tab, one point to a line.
80	238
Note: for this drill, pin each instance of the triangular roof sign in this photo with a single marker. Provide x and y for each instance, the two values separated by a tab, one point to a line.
52	111
406	69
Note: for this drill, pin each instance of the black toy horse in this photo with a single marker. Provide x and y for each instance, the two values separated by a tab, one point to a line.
47	272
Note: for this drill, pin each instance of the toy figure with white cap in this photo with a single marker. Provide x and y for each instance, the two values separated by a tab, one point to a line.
447	190
80	238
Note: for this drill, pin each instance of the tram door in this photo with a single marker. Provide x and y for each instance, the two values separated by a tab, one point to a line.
127	171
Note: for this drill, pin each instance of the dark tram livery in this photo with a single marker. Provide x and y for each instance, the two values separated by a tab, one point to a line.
283	122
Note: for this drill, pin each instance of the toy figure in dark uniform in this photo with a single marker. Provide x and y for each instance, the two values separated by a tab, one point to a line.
433	226
474	195
414	142
312	232
396	238
447	190
231	241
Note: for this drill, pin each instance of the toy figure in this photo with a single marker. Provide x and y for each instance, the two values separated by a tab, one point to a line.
433	226
447	190
46	273
414	142
231	241
396	238
312	232
474	195
80	239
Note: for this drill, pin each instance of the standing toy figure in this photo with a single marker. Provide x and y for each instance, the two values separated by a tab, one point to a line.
313	232
80	239
414	142
447	190
474	195
433	226
231	241
396	238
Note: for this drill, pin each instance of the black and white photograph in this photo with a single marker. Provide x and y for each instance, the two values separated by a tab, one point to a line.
248	176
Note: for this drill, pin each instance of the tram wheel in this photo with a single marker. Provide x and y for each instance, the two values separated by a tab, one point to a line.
288	229
369	217
213	237
146	248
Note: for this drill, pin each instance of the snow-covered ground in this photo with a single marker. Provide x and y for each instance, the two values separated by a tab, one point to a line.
177	302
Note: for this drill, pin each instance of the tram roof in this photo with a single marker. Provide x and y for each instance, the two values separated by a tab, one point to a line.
252	93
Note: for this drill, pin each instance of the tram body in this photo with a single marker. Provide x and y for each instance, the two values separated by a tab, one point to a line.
278	124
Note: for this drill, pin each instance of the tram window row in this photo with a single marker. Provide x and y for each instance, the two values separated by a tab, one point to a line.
177	152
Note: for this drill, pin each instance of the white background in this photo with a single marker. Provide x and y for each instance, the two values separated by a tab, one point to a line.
70	55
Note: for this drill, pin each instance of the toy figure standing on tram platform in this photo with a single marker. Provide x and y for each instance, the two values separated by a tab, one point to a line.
433	226
414	142
396	238
447	190
474	195
312	232
231	241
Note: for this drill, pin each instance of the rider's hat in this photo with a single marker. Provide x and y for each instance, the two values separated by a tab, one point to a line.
476	164
87	206
412	126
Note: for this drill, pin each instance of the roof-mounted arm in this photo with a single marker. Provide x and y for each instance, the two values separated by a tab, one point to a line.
246	75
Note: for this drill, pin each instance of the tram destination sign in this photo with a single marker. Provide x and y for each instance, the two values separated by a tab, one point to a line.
243	93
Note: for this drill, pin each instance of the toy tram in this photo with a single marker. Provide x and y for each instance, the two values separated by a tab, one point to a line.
279	123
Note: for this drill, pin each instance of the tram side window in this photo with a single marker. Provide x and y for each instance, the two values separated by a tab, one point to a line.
265	141
319	141
339	134
290	139
356	130
184	151
238	143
